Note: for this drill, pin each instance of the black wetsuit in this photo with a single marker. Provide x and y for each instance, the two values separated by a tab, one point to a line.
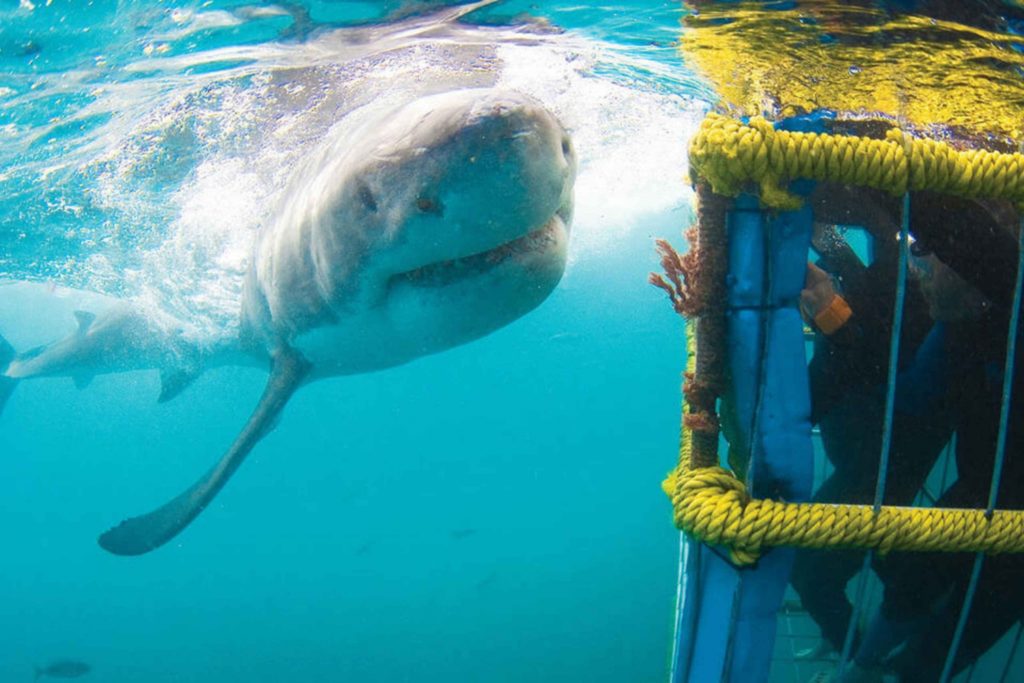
929	587
953	382
950	381
847	376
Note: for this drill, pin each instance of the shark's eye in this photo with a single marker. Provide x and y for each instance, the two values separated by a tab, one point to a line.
566	147
427	205
366	197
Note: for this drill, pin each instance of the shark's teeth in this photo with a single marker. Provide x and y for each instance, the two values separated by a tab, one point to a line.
446	272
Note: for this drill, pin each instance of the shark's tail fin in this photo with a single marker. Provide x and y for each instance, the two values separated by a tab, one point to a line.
7	384
39	671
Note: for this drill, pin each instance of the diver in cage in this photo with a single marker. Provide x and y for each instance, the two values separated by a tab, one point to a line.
850	305
964	261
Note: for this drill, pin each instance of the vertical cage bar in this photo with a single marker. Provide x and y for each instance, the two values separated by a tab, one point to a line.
1000	458
894	352
890	401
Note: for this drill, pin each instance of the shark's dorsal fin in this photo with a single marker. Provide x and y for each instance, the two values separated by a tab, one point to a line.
138	535
82	380
174	381
84	319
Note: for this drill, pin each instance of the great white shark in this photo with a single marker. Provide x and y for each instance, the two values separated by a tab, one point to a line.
438	223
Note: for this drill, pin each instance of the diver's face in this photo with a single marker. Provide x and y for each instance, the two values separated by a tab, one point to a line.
950	298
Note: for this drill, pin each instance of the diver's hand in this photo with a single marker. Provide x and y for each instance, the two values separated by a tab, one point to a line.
817	293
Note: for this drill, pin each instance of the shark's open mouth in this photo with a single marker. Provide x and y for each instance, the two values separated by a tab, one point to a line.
446	272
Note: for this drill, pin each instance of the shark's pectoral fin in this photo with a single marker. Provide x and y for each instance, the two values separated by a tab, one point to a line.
82	380
138	535
173	382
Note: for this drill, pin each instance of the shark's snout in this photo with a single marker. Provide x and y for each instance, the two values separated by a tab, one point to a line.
493	168
489	240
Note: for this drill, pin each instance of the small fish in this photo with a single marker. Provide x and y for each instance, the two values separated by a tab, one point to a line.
65	668
460	534
487	580
365	548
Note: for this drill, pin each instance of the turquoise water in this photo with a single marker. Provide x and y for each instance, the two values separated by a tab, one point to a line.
491	513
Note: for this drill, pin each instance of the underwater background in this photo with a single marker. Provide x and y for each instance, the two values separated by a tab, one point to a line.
491	513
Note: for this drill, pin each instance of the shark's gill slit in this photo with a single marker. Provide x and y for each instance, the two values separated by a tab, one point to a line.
365	195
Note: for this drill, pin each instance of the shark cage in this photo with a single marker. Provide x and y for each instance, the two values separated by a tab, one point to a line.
779	203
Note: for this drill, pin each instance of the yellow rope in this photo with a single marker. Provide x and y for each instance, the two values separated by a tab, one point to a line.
713	505
710	502
729	154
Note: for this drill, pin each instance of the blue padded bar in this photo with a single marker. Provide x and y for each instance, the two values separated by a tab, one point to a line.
728	615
